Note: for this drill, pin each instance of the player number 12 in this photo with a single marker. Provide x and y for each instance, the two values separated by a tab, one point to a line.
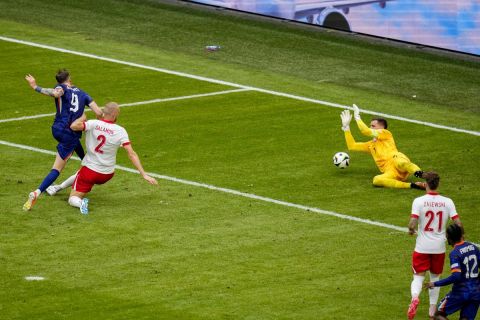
471	272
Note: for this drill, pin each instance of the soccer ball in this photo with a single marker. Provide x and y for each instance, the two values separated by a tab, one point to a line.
341	160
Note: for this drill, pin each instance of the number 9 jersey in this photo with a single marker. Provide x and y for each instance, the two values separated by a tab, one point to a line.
432	211
70	106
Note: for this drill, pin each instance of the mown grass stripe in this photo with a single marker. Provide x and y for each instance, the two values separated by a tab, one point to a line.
229	191
216	93
236	85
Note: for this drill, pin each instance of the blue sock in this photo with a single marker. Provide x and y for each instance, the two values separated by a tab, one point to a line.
49	179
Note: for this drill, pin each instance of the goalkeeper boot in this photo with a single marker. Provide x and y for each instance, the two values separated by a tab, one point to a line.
418	174
412	309
418	185
32	198
53	189
84	206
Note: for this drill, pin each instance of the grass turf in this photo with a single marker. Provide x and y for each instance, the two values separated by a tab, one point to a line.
184	252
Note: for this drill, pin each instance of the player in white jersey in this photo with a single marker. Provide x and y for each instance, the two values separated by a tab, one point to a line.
102	139
430	214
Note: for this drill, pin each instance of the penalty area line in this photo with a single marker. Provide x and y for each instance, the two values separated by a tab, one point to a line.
193	96
229	191
234	192
235	85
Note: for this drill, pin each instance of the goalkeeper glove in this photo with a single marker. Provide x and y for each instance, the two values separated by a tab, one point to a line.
356	112
346	118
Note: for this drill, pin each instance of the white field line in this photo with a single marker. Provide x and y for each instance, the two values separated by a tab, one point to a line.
231	191
216	93
225	190
236	85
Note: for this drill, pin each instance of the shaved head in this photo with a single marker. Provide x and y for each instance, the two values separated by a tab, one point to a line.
111	111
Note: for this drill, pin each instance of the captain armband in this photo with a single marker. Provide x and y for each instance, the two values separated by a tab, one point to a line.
38	89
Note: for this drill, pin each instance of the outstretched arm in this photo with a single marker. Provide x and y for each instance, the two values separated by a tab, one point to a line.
351	144
96	109
454	277
364	129
57	92
136	162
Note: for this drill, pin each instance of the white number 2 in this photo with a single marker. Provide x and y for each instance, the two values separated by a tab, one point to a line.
471	272
74	103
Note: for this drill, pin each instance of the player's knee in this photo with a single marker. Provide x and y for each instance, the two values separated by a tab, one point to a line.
75	201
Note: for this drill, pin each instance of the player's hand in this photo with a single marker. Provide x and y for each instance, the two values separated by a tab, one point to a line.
428	285
412	232
150	179
356	112
31	81
346	118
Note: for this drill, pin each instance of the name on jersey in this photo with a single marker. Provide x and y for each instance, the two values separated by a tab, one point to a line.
434	204
103	129
467	249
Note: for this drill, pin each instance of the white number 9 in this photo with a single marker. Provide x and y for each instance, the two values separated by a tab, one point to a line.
74	103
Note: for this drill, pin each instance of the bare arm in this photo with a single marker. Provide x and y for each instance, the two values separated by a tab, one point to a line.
57	92
136	162
79	124
96	109
412	226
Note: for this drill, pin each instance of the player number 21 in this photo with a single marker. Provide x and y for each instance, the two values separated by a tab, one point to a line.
102	140
430	215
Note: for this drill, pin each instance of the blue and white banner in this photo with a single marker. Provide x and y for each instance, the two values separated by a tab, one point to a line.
448	24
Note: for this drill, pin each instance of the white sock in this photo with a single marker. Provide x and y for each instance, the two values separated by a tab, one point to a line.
416	286
38	192
435	292
75	201
69	181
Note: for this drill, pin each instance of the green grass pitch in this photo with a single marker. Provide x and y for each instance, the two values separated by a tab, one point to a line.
180	251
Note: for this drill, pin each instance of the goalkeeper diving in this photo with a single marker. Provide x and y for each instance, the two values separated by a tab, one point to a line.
394	165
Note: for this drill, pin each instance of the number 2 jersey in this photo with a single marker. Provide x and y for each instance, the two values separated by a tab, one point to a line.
103	138
432	211
70	106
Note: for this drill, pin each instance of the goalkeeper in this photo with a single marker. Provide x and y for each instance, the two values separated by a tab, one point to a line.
394	166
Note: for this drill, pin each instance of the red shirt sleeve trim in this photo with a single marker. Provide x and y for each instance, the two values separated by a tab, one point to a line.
414	215
455	217
84	126
126	144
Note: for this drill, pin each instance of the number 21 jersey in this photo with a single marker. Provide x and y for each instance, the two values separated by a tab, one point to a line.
432	211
